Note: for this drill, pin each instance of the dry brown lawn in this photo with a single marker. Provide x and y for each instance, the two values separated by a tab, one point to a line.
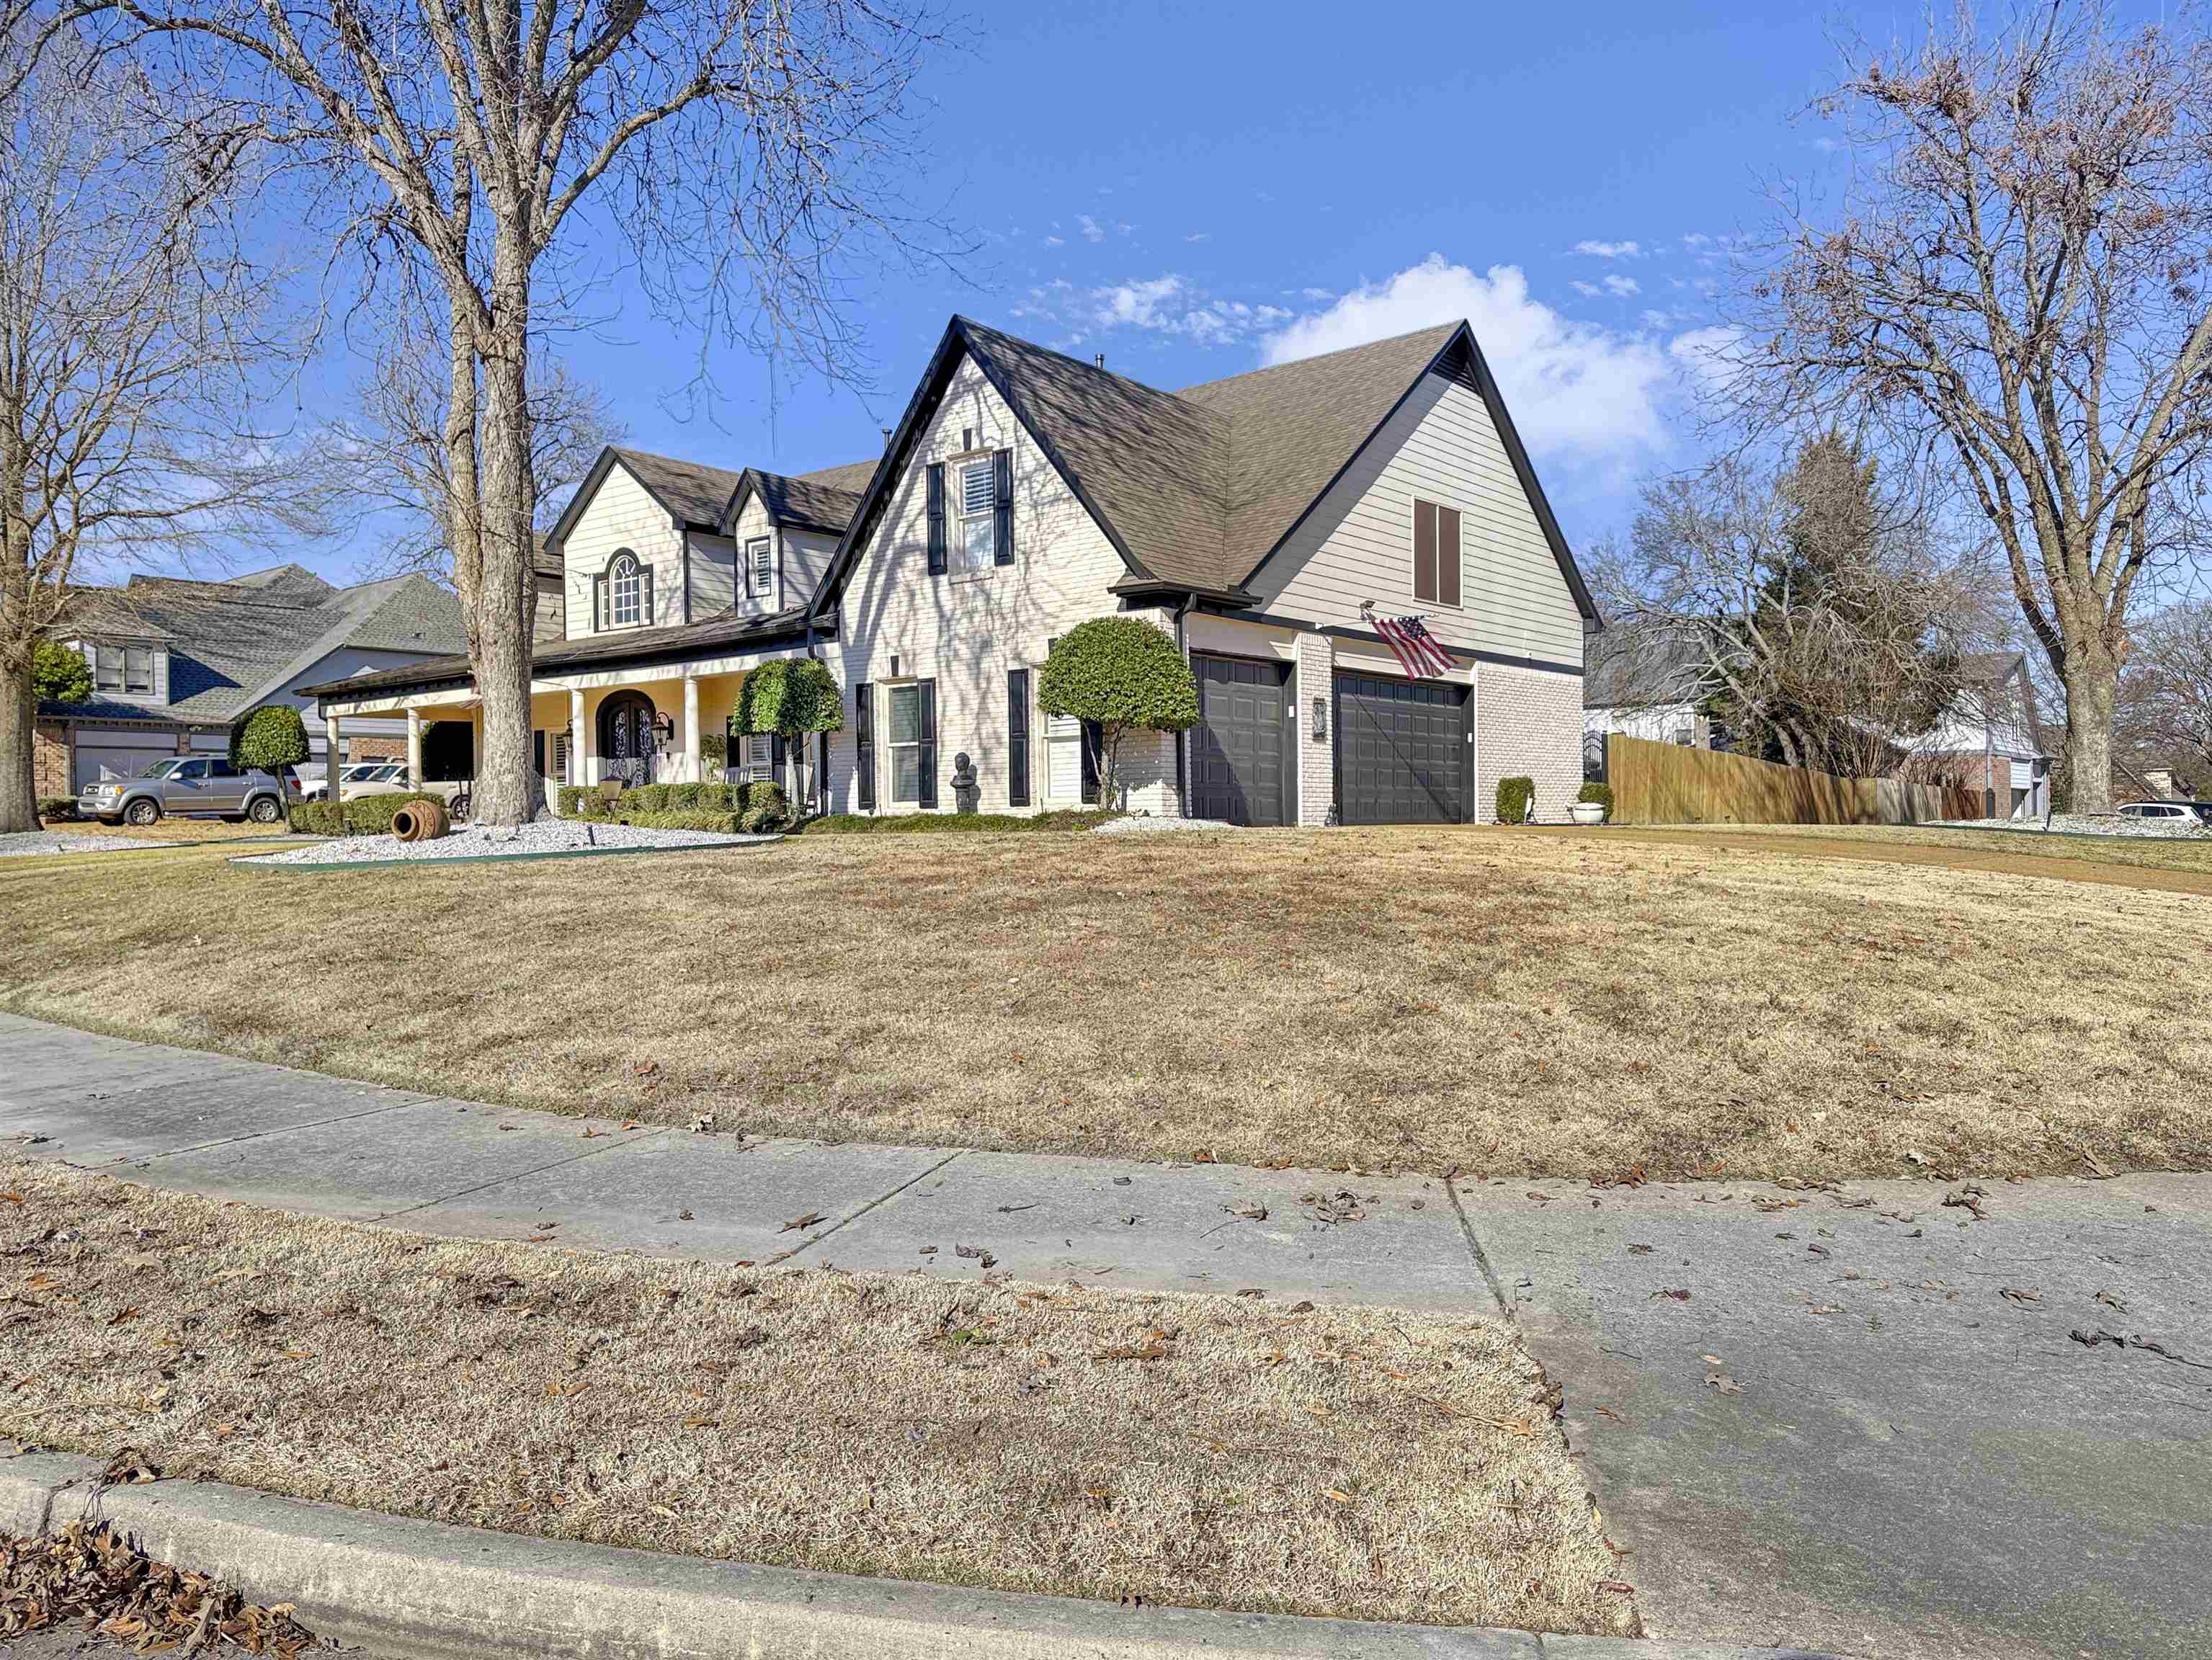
1495	1001
165	832
2122	860
1203	1452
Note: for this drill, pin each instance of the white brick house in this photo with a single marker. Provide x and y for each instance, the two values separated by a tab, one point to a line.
1253	519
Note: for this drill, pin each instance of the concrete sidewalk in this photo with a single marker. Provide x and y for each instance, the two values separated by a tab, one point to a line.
1852	1420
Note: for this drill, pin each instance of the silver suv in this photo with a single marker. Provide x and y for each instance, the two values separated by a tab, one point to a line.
186	784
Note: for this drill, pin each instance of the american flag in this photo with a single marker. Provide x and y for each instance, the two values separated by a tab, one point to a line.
1415	648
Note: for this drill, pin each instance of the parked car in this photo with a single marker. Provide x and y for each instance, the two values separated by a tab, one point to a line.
186	784
357	772
392	778
2196	813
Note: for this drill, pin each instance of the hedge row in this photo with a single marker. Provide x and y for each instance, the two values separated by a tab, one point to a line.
58	807
721	823
365	815
585	801
938	824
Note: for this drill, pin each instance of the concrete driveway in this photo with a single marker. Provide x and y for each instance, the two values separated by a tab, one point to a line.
1852	1420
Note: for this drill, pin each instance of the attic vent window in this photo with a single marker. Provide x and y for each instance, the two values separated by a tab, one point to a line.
760	567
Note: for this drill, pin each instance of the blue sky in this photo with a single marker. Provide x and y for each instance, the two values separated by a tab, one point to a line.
1195	191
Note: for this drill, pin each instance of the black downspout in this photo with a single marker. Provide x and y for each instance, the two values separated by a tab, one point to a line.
1182	738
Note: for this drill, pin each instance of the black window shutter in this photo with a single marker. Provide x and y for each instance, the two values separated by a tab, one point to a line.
864	748
1092	737
927	750
1448	556
644	595
822	772
1002	478
937	518
1017	737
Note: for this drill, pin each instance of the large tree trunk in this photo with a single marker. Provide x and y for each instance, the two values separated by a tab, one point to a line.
2092	694
19	800
507	790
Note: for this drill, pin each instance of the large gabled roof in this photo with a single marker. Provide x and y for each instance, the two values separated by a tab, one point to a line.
1196	490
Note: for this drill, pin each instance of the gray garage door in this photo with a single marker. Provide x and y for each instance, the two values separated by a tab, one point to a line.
118	754
1402	756
1240	749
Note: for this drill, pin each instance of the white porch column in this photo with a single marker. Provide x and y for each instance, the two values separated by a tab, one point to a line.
330	754
579	772
413	746
692	773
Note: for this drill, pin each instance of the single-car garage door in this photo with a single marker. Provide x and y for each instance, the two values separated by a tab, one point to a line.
1402	755
1240	748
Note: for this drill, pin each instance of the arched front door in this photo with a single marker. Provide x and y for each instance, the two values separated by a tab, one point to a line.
626	737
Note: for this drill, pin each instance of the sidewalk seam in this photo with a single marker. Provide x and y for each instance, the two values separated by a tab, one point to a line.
658	1132
1474	1249
848	1221
263	1135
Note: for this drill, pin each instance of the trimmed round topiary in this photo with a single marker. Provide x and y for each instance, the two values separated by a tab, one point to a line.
272	737
1121	674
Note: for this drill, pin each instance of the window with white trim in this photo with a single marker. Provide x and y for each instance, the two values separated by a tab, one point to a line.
905	742
106	667
1063	765
975	533
760	567
625	590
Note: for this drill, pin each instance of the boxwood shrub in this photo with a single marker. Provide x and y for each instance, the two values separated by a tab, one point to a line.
1516	798
58	807
366	815
634	806
952	823
1601	793
677	818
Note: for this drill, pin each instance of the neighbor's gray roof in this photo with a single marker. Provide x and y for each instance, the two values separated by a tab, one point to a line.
234	644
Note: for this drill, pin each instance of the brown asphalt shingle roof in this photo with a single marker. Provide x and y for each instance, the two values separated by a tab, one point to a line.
826	499
692	491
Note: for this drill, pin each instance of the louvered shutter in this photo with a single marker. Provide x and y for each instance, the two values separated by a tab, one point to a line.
1425	550
936	518
1017	737
644	595
1002	474
925	752
1448	556
864	747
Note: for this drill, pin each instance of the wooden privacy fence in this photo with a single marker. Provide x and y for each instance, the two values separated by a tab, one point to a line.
1674	784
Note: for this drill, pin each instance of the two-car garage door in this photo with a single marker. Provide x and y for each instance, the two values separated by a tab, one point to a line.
1402	754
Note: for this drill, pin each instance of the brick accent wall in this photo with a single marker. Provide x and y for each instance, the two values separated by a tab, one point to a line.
1528	723
360	748
50	762
1315	677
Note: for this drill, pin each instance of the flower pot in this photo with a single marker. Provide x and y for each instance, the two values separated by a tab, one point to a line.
1588	812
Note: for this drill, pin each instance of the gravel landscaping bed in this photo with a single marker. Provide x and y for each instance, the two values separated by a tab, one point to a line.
475	841
1144	825
25	844
2086	824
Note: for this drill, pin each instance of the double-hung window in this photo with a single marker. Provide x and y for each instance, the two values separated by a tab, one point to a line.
976	541
107	668
905	743
760	567
138	670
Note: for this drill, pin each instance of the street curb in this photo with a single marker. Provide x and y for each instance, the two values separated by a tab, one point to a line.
430	1590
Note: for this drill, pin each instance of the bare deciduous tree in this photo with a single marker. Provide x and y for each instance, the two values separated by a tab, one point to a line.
398	443
745	149
1805	605
132	336
2165	697
2017	286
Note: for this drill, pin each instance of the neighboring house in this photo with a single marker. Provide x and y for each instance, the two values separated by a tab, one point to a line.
1991	740
1644	683
175	663
1024	491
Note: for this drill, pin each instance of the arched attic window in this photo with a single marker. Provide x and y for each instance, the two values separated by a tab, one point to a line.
621	594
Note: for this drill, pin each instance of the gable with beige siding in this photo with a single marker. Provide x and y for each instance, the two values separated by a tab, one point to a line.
1441	446
621	514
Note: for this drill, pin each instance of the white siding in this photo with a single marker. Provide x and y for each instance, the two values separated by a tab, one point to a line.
967	630
806	556
117	651
714	579
621	514
549	622
753	523
1440	446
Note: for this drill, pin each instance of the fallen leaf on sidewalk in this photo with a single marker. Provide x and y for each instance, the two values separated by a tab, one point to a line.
1608	1412
1203	1156
2014	1294
806	1221
2111	1302
591	1134
1723	1382
1252	1212
1639	1250
1682	1296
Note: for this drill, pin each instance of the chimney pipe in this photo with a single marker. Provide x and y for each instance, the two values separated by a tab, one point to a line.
1100	359
887	437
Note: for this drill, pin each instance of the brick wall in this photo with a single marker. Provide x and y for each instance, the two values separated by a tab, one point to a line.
1314	677
1528	723
50	762
375	749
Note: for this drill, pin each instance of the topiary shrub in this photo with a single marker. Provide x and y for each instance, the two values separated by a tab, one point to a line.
272	738
1516	800
791	698
1124	675
1601	793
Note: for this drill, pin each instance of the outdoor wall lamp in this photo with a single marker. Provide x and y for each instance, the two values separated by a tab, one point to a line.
664	726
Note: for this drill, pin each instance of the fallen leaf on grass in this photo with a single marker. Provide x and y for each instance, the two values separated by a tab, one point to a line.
1203	1156
1341	1497
806	1221
1252	1291
557	1388
12	1198
1608	1412
1151	1350
702	1423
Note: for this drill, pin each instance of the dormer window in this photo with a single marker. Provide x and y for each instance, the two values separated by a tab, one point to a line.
621	594
128	669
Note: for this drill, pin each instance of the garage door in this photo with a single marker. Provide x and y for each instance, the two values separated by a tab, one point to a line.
1240	749
1402	756
118	754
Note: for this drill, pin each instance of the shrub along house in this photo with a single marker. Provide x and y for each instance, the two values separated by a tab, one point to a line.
1264	521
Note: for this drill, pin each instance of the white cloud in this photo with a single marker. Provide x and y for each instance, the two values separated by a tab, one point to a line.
1587	290
1609	250
1200	236
1147	305
1317	294
1577	392
1092	230
1055	242
1621	286
1706	356
1269	315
